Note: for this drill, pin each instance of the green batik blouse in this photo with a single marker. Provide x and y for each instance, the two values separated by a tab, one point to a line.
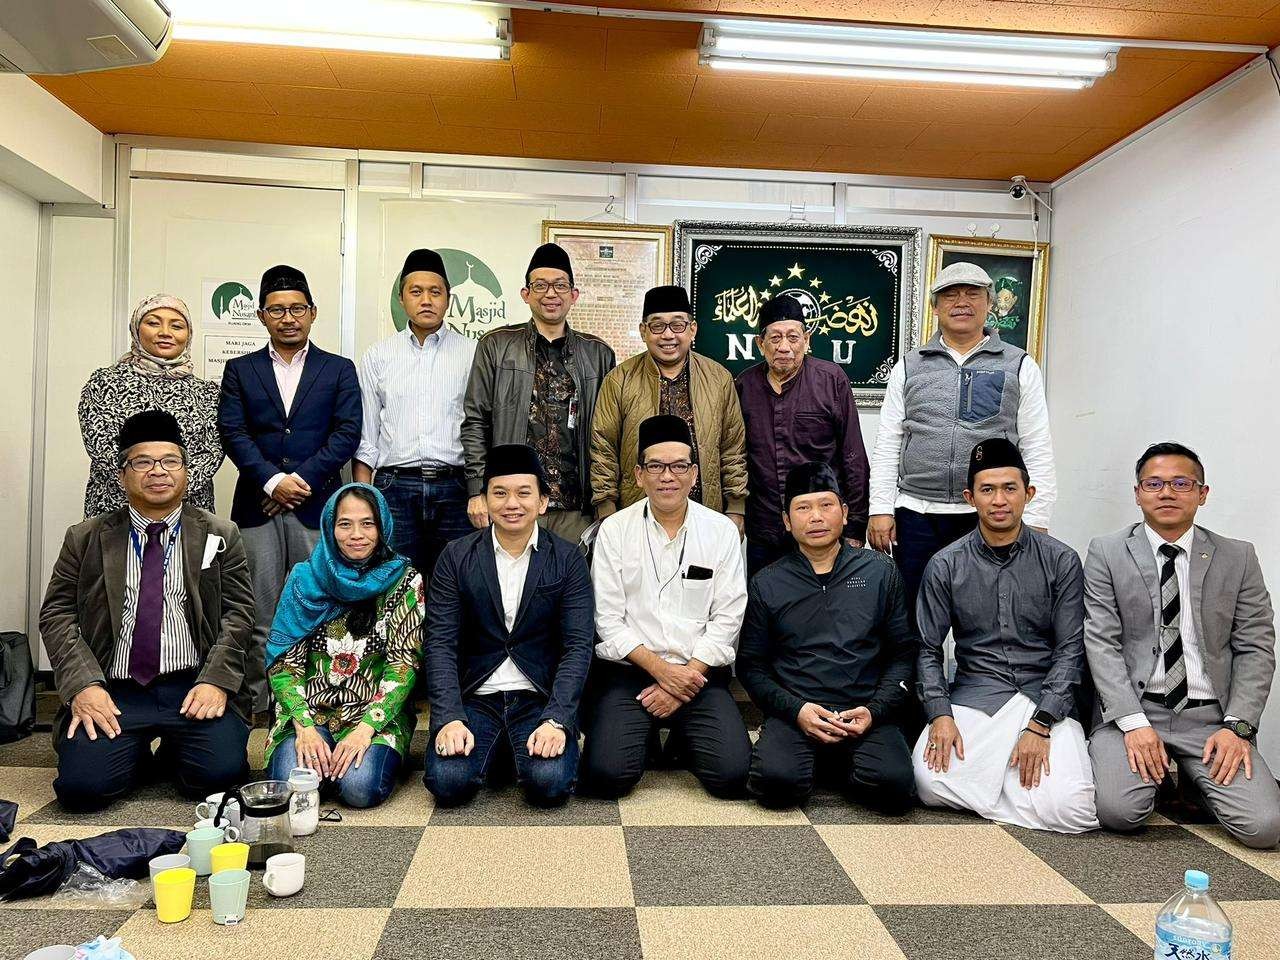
332	679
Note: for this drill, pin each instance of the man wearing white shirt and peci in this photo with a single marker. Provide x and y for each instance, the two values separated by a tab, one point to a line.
410	444
963	386
671	592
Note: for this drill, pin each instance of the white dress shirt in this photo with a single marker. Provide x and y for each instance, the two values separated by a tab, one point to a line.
1198	685
511	575
1034	443
288	376
412	394
645	598
177	650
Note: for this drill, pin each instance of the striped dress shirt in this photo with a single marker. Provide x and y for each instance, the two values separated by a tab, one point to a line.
177	650
412	395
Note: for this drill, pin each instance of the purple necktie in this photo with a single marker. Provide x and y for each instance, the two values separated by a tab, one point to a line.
144	652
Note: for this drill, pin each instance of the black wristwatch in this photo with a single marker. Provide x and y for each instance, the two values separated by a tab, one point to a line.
1241	728
1044	718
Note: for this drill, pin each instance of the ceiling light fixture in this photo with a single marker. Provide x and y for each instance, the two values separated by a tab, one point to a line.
416	27
907	55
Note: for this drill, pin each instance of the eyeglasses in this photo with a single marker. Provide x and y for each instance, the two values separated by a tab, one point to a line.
675	326
1179	484
776	339
541	286
168	464
295	310
655	468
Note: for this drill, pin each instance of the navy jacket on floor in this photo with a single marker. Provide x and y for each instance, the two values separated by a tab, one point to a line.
318	436
550	641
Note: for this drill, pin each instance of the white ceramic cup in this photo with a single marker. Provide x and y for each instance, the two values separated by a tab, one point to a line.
60	952
232	834
208	808
169	861
284	874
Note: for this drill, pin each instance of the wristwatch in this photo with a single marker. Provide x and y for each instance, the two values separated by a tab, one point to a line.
1241	728
1044	718
555	723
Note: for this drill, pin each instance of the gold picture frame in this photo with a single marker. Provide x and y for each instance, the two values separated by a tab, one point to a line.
614	263
1019	267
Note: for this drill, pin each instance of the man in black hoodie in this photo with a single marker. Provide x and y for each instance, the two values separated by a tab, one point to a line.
827	653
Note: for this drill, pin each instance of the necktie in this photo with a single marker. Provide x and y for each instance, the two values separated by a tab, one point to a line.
144	651
1175	667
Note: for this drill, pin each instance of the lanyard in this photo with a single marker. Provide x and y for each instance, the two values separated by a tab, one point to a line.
684	542
168	549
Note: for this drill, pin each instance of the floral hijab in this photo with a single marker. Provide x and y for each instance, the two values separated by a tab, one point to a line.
143	362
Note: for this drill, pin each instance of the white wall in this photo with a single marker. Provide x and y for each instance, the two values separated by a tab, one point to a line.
46	149
19	241
1163	320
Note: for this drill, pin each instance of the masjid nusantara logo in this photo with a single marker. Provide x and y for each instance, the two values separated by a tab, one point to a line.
476	303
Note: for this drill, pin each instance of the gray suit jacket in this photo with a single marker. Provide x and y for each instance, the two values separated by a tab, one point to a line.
1235	627
82	609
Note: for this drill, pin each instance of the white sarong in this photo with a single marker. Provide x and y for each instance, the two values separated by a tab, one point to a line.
985	783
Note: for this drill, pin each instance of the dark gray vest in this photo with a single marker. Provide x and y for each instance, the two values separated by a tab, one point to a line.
948	409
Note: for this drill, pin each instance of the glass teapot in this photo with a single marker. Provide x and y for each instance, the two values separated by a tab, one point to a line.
264	807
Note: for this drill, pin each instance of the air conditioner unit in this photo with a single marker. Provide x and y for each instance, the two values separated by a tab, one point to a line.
76	36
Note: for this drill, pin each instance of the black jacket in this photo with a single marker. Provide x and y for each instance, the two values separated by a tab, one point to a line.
841	645
496	405
467	638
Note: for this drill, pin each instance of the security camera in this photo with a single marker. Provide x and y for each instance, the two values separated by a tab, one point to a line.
1018	189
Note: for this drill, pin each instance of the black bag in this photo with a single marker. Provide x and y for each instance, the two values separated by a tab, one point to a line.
17	688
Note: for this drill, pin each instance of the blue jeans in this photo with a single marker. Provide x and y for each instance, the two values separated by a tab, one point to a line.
427	515
367	785
545	781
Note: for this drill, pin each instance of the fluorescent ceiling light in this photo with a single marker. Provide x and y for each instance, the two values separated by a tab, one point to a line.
419	27
910	55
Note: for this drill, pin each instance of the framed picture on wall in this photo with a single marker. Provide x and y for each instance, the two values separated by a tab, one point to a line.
613	265
1020	271
859	287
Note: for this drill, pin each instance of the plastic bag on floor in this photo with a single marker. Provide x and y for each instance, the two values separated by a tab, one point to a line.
87	887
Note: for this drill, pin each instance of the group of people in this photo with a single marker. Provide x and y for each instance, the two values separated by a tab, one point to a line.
549	548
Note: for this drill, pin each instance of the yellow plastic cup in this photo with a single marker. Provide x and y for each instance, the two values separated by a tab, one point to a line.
174	891
229	856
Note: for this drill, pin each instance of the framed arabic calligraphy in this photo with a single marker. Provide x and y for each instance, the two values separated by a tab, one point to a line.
1020	271
859	287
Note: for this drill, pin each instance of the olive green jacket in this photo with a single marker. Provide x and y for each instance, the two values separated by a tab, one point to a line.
629	394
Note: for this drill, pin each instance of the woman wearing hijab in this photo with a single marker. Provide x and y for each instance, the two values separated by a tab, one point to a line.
156	374
343	654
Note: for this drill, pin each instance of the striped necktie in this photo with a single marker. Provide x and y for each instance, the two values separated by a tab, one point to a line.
1175	666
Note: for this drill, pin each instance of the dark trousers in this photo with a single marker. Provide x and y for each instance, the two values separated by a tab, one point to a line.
920	536
201	756
427	514
502	724
760	555
873	770
618	729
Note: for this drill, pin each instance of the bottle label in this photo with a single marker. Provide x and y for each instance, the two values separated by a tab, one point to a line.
1171	946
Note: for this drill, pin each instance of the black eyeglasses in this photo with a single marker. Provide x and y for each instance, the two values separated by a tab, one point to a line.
655	468
542	286
168	464
675	326
296	310
1179	484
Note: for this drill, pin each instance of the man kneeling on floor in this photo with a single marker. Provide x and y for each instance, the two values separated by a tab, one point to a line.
670	594
146	620
1014	598
509	634
827	652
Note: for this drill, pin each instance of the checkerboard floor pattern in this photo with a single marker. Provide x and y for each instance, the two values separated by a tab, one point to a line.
664	874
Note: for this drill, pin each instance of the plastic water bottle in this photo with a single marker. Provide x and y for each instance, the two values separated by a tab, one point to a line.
1191	925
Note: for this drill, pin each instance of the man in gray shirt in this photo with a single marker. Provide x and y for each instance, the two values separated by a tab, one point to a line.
1014	598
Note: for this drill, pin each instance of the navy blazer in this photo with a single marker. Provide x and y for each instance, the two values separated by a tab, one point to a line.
318	436
467	638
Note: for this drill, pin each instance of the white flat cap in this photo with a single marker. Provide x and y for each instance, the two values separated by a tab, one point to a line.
961	273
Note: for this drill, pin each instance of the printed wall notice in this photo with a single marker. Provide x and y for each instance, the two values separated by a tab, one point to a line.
227	306
219	349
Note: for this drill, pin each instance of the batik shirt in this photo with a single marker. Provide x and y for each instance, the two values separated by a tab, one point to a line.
676	399
335	680
553	426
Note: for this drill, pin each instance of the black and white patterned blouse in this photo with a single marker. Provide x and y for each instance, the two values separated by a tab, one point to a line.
114	394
